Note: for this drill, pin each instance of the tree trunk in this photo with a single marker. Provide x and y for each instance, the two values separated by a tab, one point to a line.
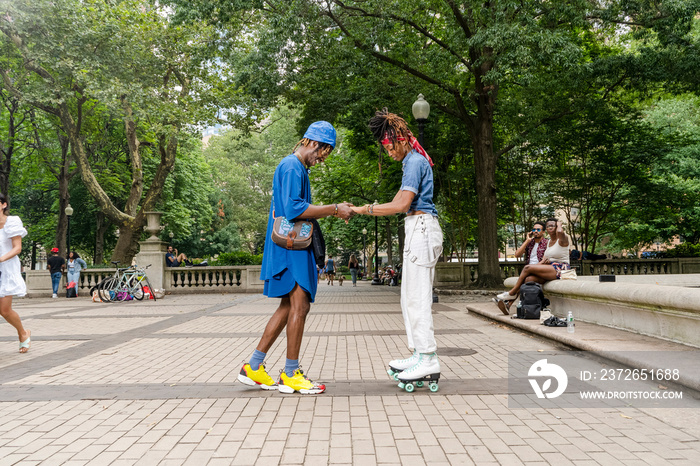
101	227
389	240
485	169
128	243
7	149
62	227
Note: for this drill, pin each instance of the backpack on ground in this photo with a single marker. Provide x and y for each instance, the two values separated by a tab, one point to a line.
71	290
532	301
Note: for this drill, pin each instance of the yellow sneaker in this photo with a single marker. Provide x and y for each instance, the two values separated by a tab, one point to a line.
299	383
260	377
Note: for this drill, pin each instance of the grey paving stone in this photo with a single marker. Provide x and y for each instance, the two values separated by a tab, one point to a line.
157	385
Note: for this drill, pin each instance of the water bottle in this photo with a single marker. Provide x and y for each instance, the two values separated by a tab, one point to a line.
570	322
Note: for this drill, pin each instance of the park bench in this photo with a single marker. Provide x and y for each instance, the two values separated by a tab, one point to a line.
662	306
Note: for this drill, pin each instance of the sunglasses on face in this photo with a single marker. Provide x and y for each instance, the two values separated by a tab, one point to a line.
537	229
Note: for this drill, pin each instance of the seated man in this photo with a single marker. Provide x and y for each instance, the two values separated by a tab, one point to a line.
173	259
533	248
554	261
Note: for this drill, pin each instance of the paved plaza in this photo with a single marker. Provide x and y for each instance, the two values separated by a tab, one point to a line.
154	383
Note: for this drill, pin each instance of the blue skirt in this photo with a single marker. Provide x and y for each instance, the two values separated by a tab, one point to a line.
281	285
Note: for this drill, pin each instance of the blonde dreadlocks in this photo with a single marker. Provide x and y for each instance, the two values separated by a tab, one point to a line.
322	146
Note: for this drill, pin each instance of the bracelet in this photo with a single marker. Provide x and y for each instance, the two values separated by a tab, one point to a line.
335	212
370	209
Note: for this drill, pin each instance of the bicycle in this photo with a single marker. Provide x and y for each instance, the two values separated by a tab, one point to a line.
133	283
125	281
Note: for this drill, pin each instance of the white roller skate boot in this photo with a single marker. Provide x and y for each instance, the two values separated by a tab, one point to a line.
427	369
398	365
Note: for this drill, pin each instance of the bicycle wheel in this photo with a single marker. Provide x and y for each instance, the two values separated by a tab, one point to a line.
136	288
105	289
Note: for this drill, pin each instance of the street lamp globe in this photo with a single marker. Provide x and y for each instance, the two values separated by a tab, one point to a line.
421	108
69	211
364	231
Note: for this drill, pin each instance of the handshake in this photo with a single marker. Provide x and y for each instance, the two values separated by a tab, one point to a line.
346	210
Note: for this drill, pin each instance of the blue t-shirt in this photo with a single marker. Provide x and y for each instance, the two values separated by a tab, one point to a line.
418	178
291	195
170	260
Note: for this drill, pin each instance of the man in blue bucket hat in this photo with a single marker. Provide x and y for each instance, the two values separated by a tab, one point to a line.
292	274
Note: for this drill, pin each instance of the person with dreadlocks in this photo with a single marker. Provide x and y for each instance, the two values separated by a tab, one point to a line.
292	274
423	246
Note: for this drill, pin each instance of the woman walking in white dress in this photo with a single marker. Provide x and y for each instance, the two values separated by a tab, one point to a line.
11	282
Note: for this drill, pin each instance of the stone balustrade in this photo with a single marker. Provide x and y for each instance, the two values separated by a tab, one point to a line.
238	279
246	279
465	274
232	279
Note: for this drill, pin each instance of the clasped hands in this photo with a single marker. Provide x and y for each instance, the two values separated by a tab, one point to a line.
347	210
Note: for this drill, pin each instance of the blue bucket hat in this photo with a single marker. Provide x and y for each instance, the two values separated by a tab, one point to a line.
321	131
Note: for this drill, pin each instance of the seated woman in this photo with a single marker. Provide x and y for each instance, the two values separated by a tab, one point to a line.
556	259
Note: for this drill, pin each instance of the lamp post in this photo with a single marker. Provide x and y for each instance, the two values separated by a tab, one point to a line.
421	111
375	278
364	253
69	212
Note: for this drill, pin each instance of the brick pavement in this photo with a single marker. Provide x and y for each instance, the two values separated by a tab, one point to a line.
154	383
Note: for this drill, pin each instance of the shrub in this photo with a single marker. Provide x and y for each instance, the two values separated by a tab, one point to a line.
684	250
238	258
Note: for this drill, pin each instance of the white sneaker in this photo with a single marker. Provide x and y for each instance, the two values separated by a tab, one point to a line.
54	295
402	364
506	296
427	364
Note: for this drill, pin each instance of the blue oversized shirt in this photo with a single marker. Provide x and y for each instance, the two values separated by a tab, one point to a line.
418	178
291	195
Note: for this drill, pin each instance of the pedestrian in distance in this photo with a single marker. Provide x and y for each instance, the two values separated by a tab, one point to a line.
11	282
423	247
56	264
554	260
292	274
354	266
74	264
330	269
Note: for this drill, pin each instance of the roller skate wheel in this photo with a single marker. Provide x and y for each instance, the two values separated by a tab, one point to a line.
433	387
395	376
419	384
409	387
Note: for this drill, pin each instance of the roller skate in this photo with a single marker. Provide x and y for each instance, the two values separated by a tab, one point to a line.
398	365
427	369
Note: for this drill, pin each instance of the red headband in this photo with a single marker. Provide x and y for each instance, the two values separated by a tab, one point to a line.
414	144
